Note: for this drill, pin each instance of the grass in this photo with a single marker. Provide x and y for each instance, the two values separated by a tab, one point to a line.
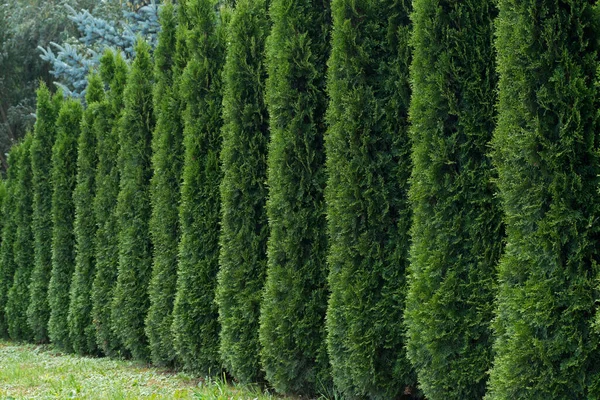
40	372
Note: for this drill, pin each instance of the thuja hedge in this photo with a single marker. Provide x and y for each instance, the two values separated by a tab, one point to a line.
18	294
82	332
38	311
195	315
167	164
457	233
292	321
545	148
368	165
244	227
9	231
130	303
63	176
113	71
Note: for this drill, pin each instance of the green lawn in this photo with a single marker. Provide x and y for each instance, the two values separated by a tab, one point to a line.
39	372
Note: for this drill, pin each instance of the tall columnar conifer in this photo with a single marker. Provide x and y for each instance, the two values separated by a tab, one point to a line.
292	323
244	228
9	231
368	164
38	311
63	175
113	71
82	332
545	148
195	315
457	233
18	294
131	302
167	162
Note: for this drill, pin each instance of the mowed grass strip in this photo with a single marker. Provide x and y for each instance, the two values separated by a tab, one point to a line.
41	372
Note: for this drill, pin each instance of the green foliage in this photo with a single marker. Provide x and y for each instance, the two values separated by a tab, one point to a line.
9	232
457	231
38	312
82	332
130	303
167	163
545	148
114	73
18	294
64	173
368	164
244	228
292	322
195	315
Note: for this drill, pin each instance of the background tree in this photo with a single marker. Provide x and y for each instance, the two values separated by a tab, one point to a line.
292	323
457	232
130	303
244	228
113	71
25	25
9	232
545	148
82	333
38	312
368	164
195	316
18	294
165	191
64	174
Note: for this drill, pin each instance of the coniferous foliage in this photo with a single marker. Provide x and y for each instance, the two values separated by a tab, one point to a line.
82	332
368	164
113	71
19	294
457	232
9	231
545	148
63	175
244	228
292	330
38	311
167	162
195	315
131	302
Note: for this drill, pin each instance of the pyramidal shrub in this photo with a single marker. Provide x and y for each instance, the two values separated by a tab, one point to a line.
64	173
130	302
244	227
292	322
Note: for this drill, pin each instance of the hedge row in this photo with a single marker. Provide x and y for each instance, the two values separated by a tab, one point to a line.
370	199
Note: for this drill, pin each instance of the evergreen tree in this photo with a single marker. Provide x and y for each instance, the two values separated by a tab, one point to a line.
81	329
113	71
38	311
64	173
368	164
130	303
292	322
244	228
9	231
457	232
545	148
195	315
165	189
18	294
